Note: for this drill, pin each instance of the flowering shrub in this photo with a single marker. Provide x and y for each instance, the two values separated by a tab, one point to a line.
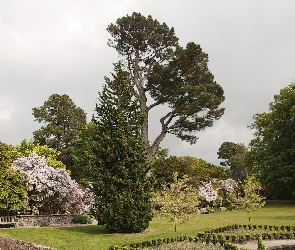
51	190
228	185
218	192
208	192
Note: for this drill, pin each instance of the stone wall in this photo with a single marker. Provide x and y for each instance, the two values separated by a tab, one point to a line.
44	220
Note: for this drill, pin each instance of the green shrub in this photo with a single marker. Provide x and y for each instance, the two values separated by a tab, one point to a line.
261	246
82	219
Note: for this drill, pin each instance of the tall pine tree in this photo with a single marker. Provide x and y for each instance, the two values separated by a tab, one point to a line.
119	174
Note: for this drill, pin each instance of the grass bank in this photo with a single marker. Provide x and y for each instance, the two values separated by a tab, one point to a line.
96	238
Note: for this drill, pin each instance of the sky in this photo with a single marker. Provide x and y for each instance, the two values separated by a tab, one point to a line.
60	47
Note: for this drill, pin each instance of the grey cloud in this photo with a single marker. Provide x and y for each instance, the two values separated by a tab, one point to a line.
60	46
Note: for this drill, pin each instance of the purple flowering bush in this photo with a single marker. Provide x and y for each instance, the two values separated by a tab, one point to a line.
50	190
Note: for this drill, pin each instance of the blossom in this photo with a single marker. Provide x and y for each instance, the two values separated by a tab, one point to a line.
52	190
207	191
228	185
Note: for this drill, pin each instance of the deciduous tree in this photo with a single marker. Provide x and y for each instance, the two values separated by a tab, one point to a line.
51	155
179	201
249	198
12	190
272	151
171	75
164	168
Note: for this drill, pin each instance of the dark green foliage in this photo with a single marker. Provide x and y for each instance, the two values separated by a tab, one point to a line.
81	219
272	151
171	75
63	122
189	89
136	33
84	154
199	169
119	164
164	168
233	155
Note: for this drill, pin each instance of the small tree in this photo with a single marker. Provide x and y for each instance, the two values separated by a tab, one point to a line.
249	198
179	201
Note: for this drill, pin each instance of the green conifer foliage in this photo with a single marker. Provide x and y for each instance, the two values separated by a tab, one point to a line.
119	174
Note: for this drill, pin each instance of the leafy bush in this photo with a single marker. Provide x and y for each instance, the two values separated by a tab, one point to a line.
81	219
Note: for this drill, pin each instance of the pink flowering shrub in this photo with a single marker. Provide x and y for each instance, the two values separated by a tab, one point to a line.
51	190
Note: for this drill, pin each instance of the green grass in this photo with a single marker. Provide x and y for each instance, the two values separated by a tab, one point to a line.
95	237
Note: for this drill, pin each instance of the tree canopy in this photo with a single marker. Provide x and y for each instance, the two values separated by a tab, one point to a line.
63	122
171	75
233	155
272	151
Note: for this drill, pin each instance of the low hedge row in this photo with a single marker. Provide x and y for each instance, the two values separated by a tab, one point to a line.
219	236
251	227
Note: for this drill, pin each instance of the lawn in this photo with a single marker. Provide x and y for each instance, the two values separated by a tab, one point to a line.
95	237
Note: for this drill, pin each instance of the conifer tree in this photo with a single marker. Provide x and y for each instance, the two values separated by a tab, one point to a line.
119	172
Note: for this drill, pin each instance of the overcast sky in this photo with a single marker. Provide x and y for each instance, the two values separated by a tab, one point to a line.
60	47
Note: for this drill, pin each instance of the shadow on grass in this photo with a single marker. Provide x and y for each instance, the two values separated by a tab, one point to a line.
98	230
91	229
279	203
284	217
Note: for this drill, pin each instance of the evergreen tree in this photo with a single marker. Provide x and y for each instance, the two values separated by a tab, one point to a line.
119	172
63	121
164	73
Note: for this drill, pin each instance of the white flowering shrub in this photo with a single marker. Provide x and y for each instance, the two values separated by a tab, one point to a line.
216	193
207	191
228	185
51	190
